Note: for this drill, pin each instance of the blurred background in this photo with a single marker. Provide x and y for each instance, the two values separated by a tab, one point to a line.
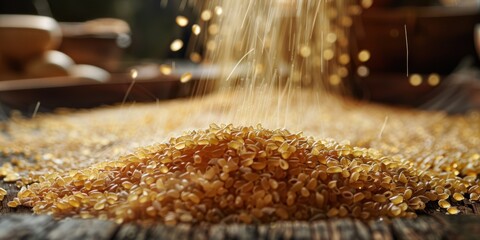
152	22
100	48
422	53
416	53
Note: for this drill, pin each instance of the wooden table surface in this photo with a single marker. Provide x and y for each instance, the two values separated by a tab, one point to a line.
19	223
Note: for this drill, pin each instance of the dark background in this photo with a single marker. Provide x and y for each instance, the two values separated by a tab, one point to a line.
152	23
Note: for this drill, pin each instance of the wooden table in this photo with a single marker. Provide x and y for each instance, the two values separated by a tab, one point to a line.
19	223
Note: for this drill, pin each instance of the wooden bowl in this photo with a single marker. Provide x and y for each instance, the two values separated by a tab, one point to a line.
99	42
49	64
25	36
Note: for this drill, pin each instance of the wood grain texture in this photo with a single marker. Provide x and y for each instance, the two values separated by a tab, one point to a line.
82	229
23	226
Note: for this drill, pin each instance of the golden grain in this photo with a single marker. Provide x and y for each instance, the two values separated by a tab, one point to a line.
225	170
453	210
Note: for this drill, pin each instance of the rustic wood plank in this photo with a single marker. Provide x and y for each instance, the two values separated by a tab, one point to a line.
401	231
217	232
83	229
362	230
280	230
157	231
462	227
342	229
200	232
160	231
426	227
131	232
380	230
20	226
262	231
301	231
17	226
418	228
320	230
241	232
434	224
181	231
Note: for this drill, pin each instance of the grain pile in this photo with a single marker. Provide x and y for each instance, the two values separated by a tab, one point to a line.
248	174
244	174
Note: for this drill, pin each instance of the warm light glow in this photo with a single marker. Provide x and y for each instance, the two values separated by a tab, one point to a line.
206	15
195	57
331	37
185	77
134	73
181	21
213	29
364	56
344	59
218	10
363	71
305	51
335	79
196	29
342	72
415	80
433	79
366	3
176	45
328	54
165	69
